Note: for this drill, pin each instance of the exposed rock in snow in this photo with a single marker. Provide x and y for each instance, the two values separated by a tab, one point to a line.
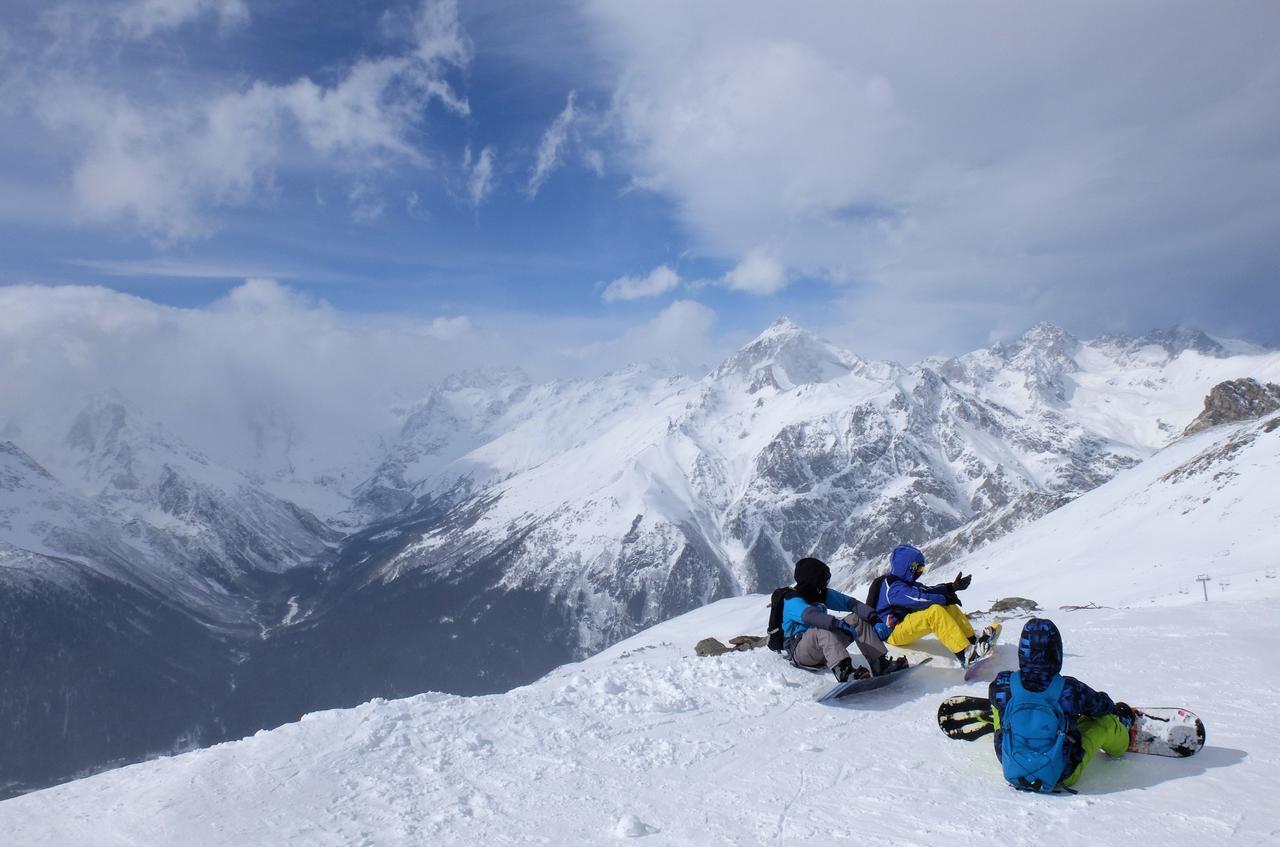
1234	401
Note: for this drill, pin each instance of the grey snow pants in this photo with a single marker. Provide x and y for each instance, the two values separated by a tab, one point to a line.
828	646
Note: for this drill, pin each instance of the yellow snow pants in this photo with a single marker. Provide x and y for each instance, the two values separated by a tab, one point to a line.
948	623
1106	733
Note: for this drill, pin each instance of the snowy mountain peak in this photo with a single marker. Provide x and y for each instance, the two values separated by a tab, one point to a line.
488	379
1173	341
786	355
1045	340
111	447
782	325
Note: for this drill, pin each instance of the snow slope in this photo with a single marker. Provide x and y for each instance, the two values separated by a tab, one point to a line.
1207	504
646	740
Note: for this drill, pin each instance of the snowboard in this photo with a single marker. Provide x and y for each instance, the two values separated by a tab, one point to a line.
853	687
1156	730
971	671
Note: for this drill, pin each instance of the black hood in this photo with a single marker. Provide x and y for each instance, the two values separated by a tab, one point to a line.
812	576
1039	653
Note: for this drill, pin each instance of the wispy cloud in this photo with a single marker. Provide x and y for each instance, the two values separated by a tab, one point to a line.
180	269
165	165
550	150
480	179
143	18
660	280
681	334
367	205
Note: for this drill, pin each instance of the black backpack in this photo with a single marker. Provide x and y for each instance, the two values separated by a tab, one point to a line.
873	593
779	596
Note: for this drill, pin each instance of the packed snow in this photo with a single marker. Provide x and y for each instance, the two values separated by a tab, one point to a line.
646	740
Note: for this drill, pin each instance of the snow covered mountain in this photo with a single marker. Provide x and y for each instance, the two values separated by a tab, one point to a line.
513	526
647	740
132	501
628	502
134	576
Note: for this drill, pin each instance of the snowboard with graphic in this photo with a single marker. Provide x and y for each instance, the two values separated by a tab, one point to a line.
845	690
1156	730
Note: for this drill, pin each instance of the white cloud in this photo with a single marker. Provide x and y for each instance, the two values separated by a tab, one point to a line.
143	18
1018	162
480	179
660	280
213	373
165	166
680	336
448	329
759	272
550	149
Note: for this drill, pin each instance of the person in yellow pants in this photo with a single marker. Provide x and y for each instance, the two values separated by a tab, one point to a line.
948	623
913	610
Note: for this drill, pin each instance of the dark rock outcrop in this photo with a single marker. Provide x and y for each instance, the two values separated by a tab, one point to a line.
1234	401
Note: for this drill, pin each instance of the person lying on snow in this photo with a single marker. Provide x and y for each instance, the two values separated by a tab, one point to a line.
1048	726
913	610
815	637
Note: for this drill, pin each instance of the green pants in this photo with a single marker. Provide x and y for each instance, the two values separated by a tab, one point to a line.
1104	733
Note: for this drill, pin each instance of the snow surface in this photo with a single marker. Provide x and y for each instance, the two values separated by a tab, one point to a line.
646	740
1206	504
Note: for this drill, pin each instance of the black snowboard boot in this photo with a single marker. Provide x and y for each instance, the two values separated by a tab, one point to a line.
845	671
887	665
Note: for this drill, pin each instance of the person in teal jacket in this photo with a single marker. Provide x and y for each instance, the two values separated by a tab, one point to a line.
815	637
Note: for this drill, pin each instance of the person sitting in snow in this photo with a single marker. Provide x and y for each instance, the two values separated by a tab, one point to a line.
816	638
913	610
1048	726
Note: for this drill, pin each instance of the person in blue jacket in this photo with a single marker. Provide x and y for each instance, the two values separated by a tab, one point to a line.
815	638
1094	721
913	610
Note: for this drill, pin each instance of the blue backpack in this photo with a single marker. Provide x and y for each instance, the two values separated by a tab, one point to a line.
1033	737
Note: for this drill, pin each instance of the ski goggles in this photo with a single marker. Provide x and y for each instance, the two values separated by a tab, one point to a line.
917	568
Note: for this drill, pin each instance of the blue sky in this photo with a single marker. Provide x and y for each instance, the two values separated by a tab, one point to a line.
908	180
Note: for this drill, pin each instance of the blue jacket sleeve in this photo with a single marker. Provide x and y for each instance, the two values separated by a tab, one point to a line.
912	595
1081	700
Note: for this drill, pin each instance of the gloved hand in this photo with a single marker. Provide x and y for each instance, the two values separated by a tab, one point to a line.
952	599
882	630
841	623
961	582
